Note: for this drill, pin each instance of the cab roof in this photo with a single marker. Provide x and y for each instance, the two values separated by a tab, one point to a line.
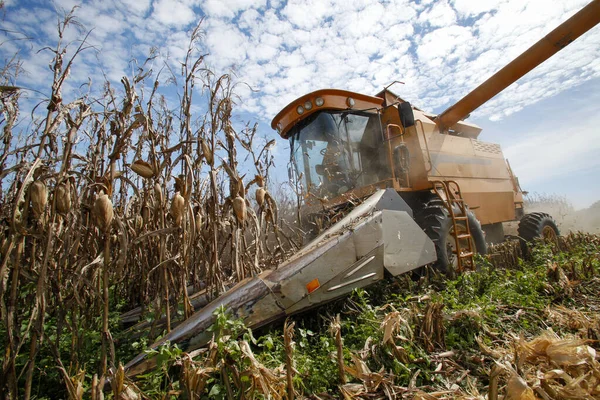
324	99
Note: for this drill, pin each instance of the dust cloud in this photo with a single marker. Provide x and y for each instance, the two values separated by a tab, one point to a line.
566	217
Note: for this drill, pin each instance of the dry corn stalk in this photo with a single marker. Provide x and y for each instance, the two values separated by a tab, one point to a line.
432	330
288	339
359	370
336	331
264	380
394	324
74	383
39	197
103	212
194	377
143	169
123	390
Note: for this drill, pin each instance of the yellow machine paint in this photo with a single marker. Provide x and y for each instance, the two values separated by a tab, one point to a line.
478	167
436	148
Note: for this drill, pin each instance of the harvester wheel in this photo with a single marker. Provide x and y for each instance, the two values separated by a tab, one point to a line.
537	225
436	222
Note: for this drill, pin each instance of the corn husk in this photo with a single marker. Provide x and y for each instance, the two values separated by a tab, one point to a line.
158	196
260	180
62	195
260	196
570	352
198	221
207	153
38	194
517	389
145	212
269	216
178	208
103	212
139	222
239	206
143	169
180	185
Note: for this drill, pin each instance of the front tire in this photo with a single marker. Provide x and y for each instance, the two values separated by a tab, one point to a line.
435	221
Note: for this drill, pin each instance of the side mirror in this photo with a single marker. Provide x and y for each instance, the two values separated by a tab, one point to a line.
407	118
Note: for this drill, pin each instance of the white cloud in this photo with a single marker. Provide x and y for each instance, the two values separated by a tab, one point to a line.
174	12
229	8
307	14
440	49
445	44
468	8
441	14
139	7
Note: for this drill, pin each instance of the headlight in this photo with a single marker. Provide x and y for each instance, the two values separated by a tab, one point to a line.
307	105
300	110
319	101
350	101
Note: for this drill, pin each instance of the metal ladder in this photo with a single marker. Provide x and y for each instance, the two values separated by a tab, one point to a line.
449	192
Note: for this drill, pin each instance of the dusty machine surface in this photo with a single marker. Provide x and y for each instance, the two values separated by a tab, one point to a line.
428	193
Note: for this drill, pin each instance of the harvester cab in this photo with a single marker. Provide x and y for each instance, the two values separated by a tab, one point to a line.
408	189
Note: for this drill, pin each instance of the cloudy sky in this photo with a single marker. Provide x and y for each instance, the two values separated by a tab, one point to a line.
547	123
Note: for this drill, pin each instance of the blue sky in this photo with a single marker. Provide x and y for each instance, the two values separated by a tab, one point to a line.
547	123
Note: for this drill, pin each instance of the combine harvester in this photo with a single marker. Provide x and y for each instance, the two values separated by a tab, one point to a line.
429	193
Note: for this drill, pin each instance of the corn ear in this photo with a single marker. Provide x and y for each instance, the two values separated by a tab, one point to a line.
143	169
198	223
207	153
158	196
39	198
62	195
260	196
239	206
178	208
103	212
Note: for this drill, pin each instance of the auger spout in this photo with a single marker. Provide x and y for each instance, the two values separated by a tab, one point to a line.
559	38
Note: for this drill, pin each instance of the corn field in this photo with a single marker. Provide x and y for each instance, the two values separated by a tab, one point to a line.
117	201
122	215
